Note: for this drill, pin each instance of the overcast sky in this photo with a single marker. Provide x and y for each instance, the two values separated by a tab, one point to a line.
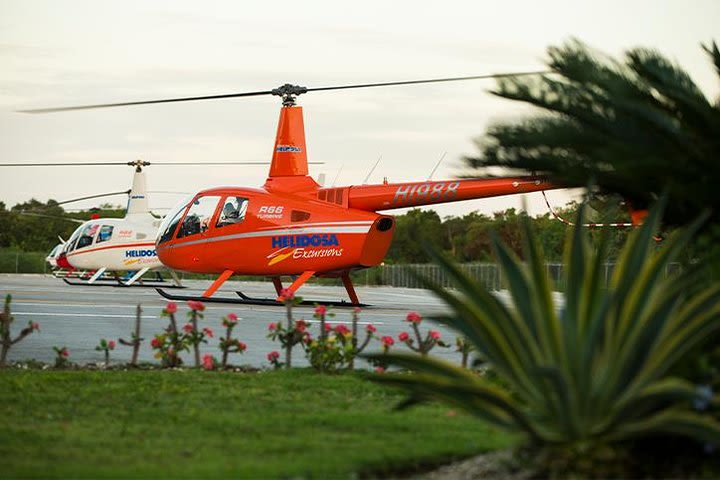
56	53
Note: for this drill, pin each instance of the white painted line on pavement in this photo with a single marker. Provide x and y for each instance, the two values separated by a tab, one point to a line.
107	315
49	314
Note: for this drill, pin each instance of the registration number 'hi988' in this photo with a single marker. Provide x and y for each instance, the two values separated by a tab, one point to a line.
439	191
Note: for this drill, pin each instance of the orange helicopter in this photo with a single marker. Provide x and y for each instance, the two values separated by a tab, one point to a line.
292	226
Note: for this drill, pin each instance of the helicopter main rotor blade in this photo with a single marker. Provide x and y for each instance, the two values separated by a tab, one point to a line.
56	217
432	80
146	102
59	164
284	91
91	164
100	195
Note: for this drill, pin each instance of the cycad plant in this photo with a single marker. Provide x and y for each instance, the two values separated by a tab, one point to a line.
578	378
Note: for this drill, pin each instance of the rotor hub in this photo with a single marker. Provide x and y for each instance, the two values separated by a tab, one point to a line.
289	93
138	164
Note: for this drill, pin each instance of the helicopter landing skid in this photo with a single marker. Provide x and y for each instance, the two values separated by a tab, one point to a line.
100	282
112	282
245	300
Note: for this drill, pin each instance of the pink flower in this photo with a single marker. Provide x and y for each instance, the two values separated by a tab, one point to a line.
357	310
35	326
379	369
403	337
111	345
65	352
273	356
155	343
171	307
208	362
434	334
232	318
301	326
272	326
320	310
241	346
286	294
387	341
342	330
328	327
208	332
196	306
413	317
307	339
370	328
188	328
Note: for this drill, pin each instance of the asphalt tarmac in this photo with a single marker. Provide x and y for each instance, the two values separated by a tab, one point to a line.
77	317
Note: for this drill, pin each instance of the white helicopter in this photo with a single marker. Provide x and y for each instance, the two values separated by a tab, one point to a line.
100	248
117	244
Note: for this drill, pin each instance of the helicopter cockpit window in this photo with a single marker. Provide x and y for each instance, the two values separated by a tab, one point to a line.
198	217
171	220
72	241
233	211
86	237
104	234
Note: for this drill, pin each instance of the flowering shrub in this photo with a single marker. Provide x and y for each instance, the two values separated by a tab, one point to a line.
413	317
168	345
331	351
135	339
196	306
386	342
62	354
292	332
420	344
194	336
274	358
321	312
209	362
228	344
5	339
106	346
463	346
357	347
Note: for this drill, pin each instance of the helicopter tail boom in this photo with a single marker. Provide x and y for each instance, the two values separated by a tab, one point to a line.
399	195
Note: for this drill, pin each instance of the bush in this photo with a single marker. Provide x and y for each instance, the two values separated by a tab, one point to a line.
581	381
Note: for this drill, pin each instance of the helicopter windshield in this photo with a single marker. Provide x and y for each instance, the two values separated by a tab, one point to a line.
171	220
70	244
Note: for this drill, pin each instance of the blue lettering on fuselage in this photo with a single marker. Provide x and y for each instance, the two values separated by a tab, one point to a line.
288	148
140	253
324	240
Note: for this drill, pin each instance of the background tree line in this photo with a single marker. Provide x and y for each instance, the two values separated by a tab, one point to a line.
34	226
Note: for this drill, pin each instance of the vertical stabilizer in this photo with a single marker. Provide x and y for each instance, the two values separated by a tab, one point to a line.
137	200
289	156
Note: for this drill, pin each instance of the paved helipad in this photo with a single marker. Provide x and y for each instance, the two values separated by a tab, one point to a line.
78	316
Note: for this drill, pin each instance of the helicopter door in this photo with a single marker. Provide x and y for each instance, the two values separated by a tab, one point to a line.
198	220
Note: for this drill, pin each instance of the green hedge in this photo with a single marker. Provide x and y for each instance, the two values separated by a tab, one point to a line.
16	261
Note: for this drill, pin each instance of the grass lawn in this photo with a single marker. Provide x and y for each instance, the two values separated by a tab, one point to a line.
197	424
